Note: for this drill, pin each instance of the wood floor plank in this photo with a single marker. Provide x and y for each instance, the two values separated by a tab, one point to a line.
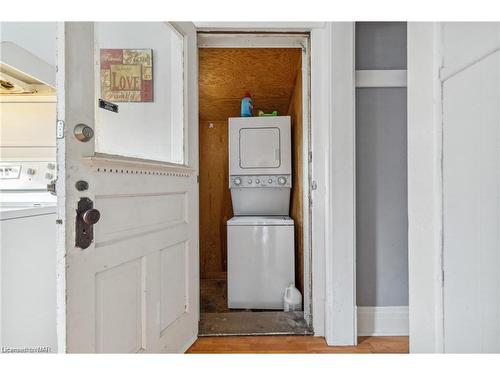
294	344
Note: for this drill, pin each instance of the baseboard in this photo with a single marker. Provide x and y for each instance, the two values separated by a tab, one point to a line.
188	344
383	321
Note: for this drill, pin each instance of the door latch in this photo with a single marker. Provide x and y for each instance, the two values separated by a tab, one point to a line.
86	217
51	187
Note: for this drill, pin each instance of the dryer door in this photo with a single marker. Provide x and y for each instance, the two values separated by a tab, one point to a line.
260	148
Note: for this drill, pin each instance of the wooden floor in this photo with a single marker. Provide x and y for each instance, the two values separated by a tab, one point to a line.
295	344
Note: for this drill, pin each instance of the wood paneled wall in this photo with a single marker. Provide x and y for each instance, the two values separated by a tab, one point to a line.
215	87
215	198
297	206
226	73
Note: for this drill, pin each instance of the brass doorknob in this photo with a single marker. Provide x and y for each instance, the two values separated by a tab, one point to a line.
83	133
91	216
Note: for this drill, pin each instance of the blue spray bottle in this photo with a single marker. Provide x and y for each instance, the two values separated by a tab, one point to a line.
247	105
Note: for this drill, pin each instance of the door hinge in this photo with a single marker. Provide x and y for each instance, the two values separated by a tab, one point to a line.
310	156
314	185
198	178
60	129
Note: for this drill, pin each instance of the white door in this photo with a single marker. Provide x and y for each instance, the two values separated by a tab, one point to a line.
471	186
135	287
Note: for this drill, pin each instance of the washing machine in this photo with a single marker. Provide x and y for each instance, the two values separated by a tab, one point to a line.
260	261
260	237
260	165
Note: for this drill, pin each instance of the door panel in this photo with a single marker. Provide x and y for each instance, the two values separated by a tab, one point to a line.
135	288
119	306
471	208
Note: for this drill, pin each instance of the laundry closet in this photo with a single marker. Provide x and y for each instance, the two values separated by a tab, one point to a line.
251	190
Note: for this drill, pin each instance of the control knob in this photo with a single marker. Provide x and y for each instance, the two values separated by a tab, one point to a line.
237	181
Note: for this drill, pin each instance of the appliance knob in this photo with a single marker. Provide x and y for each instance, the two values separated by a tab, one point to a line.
270	181
249	180
49	176
30	171
282	180
257	181
51	166
237	181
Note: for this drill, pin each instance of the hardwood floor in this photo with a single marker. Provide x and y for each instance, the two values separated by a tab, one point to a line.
295	344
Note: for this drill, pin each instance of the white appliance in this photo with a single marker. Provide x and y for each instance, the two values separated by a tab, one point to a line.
260	165
261	235
260	261
28	255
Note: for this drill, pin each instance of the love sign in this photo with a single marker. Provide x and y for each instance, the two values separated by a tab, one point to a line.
127	75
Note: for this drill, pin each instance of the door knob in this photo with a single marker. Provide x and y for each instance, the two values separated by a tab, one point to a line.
86	217
91	216
83	133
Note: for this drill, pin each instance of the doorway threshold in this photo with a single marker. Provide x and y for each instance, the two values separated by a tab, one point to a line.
251	323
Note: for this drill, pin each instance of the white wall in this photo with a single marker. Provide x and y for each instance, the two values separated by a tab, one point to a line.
381	204
39	38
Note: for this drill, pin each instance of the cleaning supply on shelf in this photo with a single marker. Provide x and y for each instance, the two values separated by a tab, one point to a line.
262	114
292	299
247	105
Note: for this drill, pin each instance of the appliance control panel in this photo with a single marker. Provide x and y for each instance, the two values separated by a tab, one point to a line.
253	181
26	175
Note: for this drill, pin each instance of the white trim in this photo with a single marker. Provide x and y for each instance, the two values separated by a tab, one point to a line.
380	78
425	188
118	161
258	26
320	45
383	321
188	344
306	178
238	40
61	192
334	169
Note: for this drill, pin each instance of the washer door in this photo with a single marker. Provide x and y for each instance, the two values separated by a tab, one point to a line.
260	148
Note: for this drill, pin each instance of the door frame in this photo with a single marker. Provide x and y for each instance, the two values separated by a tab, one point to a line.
209	39
425	188
332	166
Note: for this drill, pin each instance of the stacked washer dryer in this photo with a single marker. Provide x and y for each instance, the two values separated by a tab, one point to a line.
260	242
